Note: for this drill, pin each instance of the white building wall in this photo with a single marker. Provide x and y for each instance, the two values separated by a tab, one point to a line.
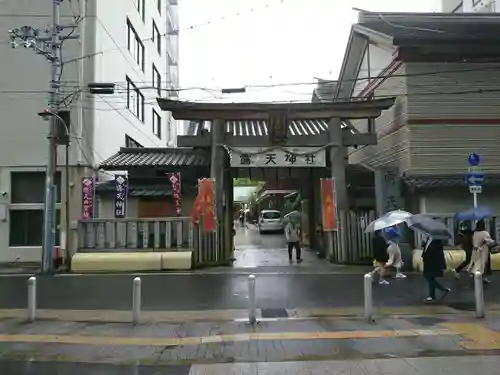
112	119
98	124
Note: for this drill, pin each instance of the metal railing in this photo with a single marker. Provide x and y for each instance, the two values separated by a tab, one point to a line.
158	234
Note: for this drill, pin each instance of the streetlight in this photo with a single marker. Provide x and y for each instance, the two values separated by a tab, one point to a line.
50	228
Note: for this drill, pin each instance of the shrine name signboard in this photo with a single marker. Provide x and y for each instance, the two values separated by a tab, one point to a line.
307	157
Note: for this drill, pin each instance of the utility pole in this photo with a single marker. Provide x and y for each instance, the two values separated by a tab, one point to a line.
48	44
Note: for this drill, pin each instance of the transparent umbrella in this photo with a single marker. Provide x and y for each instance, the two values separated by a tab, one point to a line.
388	220
399	214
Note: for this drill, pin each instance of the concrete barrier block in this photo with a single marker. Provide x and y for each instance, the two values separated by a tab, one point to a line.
116	262
453	259
177	260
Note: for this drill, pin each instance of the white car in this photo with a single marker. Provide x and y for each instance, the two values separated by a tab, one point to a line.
270	221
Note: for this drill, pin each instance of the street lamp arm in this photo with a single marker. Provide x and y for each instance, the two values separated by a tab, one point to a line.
47	113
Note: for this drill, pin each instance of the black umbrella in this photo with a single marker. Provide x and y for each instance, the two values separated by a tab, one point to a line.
426	224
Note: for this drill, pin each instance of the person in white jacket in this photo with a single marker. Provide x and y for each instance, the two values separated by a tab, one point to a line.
394	253
481	242
293	240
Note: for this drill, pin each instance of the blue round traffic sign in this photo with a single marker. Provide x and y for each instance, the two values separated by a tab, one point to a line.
473	159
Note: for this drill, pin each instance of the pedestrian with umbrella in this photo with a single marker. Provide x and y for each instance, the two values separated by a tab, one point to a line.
394	252
386	226
481	240
481	257
381	256
434	266
433	258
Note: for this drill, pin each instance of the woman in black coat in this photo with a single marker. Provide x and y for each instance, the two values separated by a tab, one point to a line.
380	254
434	266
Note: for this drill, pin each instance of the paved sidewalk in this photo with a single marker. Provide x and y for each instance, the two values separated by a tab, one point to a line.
229	342
404	366
187	316
401	366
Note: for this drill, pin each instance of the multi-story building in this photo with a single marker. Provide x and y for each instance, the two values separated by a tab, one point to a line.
132	43
470	6
445	79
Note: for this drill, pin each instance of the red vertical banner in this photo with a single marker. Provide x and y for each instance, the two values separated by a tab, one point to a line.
175	180
328	204
207	205
87	198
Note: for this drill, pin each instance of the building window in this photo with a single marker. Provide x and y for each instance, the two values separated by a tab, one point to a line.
135	45
156	124
135	100
132	143
156	38
26	227
29	187
156	80
141	7
159	4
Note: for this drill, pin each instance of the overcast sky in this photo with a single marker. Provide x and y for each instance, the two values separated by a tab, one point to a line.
234	43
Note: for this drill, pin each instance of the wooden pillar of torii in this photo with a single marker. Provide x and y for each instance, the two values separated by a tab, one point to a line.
277	116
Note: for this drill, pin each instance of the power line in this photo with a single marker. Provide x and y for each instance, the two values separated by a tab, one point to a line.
176	31
124	90
495	67
348	98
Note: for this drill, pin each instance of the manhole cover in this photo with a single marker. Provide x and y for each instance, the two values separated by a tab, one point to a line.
274	313
463	306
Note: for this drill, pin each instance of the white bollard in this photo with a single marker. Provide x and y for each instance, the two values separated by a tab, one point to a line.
136	300
368	297
252	315
32	298
478	294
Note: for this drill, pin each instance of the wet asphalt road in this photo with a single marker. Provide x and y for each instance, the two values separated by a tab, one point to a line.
224	291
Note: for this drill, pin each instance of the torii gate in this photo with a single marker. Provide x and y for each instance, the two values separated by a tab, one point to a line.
280	123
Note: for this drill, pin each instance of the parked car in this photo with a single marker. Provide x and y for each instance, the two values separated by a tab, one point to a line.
270	221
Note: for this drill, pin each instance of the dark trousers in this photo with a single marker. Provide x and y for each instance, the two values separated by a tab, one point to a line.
487	268
291	245
433	285
465	263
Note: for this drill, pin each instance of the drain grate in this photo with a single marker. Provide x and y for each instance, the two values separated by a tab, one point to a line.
274	313
462	306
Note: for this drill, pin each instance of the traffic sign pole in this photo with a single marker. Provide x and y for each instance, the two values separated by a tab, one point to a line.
474	178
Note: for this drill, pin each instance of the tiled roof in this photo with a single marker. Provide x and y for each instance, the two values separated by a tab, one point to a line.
446	181
137	191
156	157
260	127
